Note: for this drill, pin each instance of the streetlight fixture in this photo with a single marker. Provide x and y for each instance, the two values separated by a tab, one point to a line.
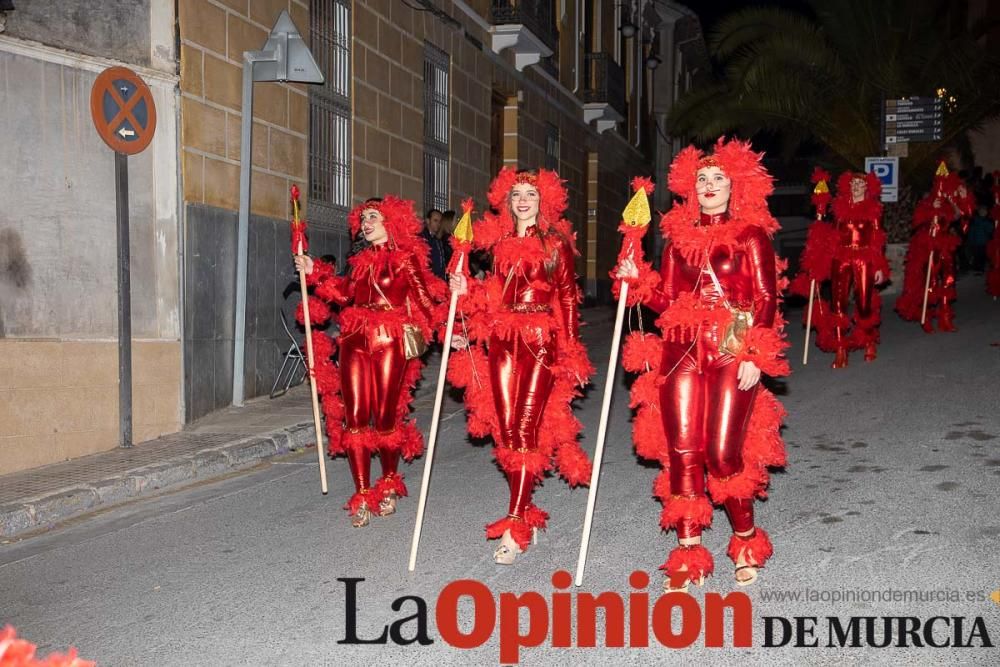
627	28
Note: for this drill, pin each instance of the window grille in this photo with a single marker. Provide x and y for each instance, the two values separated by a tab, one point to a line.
437	127
330	114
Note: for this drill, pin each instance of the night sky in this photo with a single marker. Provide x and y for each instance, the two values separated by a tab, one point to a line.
710	12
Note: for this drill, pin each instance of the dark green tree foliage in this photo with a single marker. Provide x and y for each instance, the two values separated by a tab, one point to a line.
819	76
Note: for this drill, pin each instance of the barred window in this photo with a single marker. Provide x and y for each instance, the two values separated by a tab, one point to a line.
330	114
551	147
437	128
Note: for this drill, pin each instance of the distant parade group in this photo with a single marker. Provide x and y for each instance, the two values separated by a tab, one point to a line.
511	336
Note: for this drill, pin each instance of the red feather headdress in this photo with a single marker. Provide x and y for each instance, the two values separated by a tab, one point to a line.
553	201
844	206
400	220
751	185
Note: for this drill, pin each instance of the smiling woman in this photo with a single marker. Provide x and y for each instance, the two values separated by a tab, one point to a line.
701	406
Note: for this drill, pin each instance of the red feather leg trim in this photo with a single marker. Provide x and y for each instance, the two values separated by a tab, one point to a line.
363	439
648	435
520	528
534	461
755	550
695	509
763	448
695	560
363	497
389	484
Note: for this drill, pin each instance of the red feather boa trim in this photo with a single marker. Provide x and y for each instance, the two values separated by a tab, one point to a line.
755	549
363	497
389	484
678	509
822	242
16	652
695	560
641	288
521	529
909	305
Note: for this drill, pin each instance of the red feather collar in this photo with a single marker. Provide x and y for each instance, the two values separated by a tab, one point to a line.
694	241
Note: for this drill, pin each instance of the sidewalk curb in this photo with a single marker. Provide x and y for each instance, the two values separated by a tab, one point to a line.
52	508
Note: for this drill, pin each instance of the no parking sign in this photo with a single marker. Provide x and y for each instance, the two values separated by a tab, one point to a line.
887	171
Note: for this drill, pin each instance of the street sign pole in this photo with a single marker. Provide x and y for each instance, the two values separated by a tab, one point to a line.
285	57
124	303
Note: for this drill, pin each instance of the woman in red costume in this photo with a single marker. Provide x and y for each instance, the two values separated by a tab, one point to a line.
700	404
858	262
524	360
935	241
367	396
993	247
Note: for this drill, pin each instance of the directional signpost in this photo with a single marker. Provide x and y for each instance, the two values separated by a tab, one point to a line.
125	117
912	119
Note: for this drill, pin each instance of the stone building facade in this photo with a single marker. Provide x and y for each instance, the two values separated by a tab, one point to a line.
424	98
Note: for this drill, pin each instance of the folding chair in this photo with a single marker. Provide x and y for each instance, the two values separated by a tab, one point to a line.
293	360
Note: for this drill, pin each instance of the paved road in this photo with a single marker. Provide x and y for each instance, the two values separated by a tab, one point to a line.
892	486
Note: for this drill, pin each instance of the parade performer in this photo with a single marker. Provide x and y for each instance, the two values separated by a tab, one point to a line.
929	273
523	359
389	300
700	404
993	247
815	263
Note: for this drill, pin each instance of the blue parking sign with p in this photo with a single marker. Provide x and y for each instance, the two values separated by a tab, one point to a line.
887	171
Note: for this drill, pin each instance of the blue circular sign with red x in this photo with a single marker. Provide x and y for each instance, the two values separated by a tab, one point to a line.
122	108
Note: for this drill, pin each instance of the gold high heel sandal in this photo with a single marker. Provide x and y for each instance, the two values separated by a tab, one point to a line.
362	518
387	505
507	551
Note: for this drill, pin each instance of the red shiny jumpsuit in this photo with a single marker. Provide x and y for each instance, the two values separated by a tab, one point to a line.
520	365
704	412
852	264
372	361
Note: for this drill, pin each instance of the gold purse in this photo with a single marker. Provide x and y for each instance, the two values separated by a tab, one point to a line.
733	339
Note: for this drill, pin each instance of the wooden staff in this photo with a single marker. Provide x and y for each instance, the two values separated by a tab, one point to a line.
298	241
820	198
636	215
463	233
927	281
809	321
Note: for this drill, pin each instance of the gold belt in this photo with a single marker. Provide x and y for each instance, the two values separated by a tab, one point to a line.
376	306
529	307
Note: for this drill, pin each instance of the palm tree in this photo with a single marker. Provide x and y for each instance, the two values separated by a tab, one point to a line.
821	76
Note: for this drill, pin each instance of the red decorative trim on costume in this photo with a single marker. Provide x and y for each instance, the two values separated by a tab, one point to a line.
755	549
909	305
553	201
362	439
695	560
520	527
363	497
765	347
822	242
678	509
319	312
642	352
16	652
389	484
321	272
641	288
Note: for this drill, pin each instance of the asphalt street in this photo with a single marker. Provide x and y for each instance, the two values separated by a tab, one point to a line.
891	487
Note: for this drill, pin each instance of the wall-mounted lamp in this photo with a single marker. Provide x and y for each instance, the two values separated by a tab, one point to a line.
627	28
653	61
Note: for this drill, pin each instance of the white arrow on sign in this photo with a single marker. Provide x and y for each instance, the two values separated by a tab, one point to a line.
125	133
